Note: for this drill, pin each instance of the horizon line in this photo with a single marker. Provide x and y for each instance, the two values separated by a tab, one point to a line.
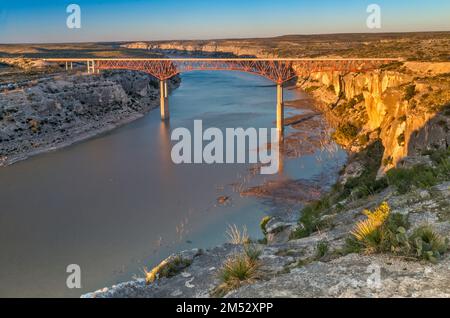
228	38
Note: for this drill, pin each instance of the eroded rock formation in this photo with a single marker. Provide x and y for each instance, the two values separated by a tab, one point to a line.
60	109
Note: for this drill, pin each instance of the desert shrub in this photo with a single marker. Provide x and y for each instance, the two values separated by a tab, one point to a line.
382	231
446	109
310	219
342	108
428	244
363	139
311	89
369	232
167	268
367	183
439	156
236	236
322	249
356	188
238	269
410	92
392	66
385	232
345	133
252	252
263	224
404	179
402	118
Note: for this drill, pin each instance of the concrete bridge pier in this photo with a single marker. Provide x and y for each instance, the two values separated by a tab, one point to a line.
91	67
164	100
280	110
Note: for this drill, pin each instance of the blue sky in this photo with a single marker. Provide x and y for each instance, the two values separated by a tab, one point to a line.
39	21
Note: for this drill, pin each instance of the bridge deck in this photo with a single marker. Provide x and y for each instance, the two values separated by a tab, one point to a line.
278	70
225	59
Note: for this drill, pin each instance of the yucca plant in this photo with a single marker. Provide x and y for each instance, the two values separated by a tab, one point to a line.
151	276
369	229
167	268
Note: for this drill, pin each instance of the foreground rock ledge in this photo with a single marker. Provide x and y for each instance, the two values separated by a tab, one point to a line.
351	275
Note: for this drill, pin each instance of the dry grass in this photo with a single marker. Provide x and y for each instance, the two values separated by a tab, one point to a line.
238	269
236	236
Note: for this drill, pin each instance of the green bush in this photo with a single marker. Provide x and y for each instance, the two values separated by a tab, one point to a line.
345	133
322	249
358	187
391	237
428	244
439	156
310	218
263	224
404	179
238	269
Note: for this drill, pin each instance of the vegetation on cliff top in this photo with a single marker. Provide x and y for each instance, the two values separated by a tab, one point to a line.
241	267
401	180
383	232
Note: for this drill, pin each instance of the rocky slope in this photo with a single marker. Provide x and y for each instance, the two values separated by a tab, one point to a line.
294	268
57	110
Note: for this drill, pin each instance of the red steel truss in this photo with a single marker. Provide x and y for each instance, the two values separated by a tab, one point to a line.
276	70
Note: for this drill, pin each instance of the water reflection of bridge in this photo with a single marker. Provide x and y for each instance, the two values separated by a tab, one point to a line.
278	71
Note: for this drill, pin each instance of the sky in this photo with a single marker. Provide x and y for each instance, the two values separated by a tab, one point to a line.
44	21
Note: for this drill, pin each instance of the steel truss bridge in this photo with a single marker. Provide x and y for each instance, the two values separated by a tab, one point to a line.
279	70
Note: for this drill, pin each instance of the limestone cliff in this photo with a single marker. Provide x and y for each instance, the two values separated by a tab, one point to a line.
402	105
59	109
237	48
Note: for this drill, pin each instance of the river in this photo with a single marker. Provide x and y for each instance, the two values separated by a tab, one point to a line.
116	203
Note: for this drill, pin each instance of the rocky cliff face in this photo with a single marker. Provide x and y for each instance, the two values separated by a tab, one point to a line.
57	110
403	107
238	48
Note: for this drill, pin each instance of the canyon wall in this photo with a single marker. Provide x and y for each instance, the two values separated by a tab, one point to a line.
60	109
237	48
405	108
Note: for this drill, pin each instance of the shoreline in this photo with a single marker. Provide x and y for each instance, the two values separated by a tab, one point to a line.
73	140
66	109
